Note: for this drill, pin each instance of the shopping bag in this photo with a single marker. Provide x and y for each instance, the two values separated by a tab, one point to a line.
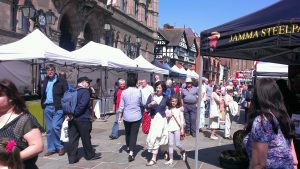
146	122
64	137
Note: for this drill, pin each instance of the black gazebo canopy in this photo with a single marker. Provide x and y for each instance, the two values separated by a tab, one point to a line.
271	34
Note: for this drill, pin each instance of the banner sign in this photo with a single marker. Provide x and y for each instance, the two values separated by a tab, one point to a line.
266	32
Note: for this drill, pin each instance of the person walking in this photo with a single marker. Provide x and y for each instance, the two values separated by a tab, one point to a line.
80	124
17	124
190	97
175	127
53	90
117	99
158	133
214	113
130	112
269	130
228	99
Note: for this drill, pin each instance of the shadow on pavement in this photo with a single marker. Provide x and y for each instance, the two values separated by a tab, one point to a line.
80	152
209	155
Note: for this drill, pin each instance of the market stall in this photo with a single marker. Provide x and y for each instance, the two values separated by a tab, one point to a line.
271	35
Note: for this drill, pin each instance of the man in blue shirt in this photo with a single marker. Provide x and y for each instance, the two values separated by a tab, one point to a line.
53	90
190	97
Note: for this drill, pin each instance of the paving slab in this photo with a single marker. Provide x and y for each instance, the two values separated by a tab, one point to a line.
114	156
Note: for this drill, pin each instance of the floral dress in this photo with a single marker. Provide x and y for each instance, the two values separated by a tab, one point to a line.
279	153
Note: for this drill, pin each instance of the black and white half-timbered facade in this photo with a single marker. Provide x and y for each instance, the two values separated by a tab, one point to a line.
175	46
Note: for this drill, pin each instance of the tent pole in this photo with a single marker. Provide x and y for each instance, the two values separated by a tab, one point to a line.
105	77
197	140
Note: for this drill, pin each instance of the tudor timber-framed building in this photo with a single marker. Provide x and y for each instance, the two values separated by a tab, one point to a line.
176	46
81	21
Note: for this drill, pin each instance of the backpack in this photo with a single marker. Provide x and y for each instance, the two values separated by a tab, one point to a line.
69	101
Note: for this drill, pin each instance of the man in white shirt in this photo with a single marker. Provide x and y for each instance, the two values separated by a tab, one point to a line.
146	90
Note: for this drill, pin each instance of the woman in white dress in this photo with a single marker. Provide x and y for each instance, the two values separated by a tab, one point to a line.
158	133
214	114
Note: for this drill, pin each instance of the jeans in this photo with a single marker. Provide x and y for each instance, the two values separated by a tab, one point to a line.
115	128
54	119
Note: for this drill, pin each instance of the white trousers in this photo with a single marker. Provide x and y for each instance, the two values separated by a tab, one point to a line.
228	122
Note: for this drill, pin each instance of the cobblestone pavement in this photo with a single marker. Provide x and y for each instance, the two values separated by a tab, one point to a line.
113	155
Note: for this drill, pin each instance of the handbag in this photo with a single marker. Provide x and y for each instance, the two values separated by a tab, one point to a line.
214	112
182	135
146	122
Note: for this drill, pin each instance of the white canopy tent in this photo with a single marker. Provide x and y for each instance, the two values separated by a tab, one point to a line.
145	65
271	70
180	70
99	54
192	74
35	45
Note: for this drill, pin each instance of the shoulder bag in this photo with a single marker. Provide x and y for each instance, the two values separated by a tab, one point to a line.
182	135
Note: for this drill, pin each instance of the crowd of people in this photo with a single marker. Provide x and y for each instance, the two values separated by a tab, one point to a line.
173	111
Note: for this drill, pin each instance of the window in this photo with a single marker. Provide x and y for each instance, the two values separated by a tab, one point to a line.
146	11
124	5
24	23
136	7
14	10
146	15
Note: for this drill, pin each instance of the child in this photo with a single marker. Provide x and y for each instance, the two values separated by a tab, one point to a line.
175	127
9	155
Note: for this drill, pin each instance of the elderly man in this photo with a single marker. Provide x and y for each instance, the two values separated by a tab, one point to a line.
117	99
228	99
53	90
190	96
146	90
80	124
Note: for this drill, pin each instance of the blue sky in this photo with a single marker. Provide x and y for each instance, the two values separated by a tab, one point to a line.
204	14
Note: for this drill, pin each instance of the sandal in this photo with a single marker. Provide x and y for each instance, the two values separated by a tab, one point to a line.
151	163
166	155
170	162
183	154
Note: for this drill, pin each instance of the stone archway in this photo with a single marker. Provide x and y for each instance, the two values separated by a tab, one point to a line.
88	33
66	37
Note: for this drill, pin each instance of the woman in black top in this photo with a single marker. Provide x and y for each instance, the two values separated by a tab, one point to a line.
18	124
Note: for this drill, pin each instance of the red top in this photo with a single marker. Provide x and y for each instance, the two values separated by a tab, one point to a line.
119	97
